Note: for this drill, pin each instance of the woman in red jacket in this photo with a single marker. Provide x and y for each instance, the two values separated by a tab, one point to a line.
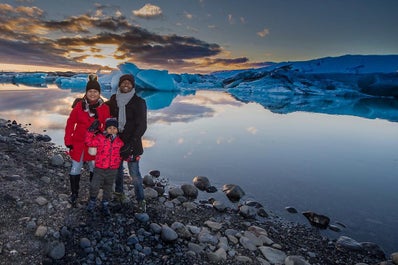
84	112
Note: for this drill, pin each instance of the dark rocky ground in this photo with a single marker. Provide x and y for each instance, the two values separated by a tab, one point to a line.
39	226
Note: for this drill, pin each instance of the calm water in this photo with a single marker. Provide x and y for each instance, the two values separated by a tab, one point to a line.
344	167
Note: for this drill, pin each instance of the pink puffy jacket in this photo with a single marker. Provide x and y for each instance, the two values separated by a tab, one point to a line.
108	155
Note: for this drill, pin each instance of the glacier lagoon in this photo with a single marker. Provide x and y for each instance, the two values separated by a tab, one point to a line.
342	166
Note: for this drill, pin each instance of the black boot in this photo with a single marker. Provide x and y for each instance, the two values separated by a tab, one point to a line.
74	187
105	208
91	176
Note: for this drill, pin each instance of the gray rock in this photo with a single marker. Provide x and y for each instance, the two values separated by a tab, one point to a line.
295	260
142	217
344	243
247	243
394	257
31	226
373	249
233	192
56	250
217	256
214	226
41	201
243	259
41	231
219	206
148	181
175	192
201	182
168	234
205	237
157	229
290	209
198	249
189	206
190	191
274	256
154	173
317	220
181	230
57	160
150	193
85	242
247	211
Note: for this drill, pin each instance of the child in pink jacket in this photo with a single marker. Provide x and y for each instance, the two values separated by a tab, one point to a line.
107	162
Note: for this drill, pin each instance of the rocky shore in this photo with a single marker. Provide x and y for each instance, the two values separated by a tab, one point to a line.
39	226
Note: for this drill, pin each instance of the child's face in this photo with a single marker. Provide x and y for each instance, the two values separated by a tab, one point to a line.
111	130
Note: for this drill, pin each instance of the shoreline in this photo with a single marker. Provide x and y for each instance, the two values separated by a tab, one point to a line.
40	225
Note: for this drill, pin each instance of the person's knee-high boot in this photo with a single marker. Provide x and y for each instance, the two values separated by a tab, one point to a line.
74	187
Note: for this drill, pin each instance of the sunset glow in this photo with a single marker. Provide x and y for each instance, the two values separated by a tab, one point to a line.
189	36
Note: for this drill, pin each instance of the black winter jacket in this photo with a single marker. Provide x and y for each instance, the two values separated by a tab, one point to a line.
136	122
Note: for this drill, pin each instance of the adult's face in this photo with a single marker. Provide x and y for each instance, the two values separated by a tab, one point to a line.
125	86
92	95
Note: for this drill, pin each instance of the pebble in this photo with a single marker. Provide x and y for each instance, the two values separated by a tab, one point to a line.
175	230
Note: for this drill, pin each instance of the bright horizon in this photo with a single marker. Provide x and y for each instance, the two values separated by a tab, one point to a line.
190	36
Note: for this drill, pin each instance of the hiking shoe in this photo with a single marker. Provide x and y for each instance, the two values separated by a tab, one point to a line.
142	206
91	205
105	208
120	197
73	200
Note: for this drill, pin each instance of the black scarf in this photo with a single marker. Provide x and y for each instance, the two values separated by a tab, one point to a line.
91	109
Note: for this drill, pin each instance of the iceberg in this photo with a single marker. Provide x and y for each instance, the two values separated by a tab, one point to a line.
150	79
33	79
75	82
156	80
351	84
156	100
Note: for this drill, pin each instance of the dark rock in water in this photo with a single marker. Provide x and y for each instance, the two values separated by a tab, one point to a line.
373	249
345	243
201	182
261	212
154	173
43	138
254	204
233	192
148	181
211	189
190	191
341	224
291	209
160	190
317	220
334	228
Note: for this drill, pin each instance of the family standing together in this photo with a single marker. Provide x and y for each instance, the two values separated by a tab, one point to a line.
114	129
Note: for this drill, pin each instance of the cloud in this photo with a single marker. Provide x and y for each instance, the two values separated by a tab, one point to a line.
188	15
263	33
27	37
231	20
252	130
148	11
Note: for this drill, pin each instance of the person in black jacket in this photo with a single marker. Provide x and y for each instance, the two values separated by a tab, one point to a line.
131	113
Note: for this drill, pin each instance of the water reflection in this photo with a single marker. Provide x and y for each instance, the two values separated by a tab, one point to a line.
368	107
342	166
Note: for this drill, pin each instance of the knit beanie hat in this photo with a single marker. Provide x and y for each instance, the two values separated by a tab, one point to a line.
127	77
111	122
93	83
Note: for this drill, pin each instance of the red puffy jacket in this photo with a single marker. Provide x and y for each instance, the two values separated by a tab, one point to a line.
108	155
76	129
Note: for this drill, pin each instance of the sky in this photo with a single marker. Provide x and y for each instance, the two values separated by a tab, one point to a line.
189	36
